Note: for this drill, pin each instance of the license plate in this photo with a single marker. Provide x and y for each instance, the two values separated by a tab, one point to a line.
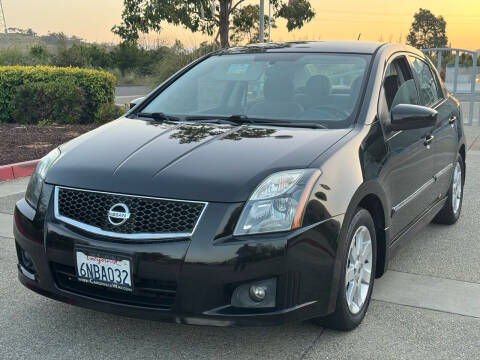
104	270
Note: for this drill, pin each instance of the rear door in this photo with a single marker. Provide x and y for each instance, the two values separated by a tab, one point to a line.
409	169
444	142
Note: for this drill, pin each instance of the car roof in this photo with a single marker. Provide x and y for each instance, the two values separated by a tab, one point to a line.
357	47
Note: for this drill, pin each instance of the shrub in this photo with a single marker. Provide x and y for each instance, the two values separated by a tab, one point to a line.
176	58
126	57
39	54
97	87
98	56
13	56
58	102
109	112
70	56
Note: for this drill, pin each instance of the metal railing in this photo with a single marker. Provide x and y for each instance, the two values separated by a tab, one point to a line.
454	89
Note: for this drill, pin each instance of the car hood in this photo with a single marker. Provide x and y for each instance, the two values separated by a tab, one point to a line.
185	161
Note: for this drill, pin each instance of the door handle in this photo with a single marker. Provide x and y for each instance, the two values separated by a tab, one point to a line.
452	120
428	141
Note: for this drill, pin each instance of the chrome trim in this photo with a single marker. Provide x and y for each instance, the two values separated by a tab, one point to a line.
217	311
421	189
413	196
394	134
443	171
26	273
140	236
122	216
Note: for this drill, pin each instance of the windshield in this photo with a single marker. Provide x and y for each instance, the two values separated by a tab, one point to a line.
293	87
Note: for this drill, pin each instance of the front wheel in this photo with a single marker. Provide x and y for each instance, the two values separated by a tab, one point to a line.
453	206
358	274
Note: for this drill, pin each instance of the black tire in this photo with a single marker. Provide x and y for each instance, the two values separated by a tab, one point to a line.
448	215
342	318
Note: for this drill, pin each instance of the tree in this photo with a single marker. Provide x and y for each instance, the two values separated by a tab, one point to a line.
39	54
70	56
207	16
297	13
126	56
246	24
427	30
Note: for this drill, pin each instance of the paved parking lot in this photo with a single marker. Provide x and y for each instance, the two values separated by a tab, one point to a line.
125	94
426	307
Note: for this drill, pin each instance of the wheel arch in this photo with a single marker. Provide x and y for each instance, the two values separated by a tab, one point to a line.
463	154
371	197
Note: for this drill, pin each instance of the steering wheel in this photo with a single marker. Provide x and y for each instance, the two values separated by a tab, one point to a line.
340	114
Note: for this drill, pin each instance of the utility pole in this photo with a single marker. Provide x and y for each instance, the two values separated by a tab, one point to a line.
3	18
262	21
269	20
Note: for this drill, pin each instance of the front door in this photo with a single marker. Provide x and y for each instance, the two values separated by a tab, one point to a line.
444	143
409	170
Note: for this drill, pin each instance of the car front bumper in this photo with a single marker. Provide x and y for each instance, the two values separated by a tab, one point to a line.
188	281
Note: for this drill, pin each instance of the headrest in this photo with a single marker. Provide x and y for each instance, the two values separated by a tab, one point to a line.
356	84
318	85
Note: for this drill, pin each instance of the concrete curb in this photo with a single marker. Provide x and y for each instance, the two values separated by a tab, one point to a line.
13	171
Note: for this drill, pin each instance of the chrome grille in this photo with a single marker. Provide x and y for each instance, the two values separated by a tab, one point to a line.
149	217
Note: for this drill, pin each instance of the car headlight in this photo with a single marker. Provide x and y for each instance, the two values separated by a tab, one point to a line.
38	177
277	204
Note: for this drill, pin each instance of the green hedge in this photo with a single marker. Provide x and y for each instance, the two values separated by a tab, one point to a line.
58	102
95	89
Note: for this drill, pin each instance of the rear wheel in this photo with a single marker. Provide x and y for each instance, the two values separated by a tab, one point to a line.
358	273
453	206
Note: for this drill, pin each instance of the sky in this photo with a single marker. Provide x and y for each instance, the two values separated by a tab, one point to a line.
375	20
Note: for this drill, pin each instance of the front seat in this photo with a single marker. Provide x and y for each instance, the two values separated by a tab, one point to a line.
278	93
317	92
355	91
406	94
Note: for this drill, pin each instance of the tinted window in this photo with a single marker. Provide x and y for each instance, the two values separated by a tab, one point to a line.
286	86
399	86
427	83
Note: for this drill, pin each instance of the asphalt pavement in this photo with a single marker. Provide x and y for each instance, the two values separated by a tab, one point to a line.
125	94
426	307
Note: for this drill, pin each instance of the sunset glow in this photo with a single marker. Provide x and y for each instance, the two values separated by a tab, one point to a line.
385	20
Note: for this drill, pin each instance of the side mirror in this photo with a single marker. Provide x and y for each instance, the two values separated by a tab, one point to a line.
135	102
407	116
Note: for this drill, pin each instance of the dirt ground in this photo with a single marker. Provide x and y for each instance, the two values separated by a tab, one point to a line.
29	142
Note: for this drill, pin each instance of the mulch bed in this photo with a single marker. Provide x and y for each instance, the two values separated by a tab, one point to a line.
29	142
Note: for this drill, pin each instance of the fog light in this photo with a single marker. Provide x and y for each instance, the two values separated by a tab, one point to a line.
25	260
257	293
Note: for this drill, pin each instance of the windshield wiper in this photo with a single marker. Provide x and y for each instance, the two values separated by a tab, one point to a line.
158	116
309	125
231	120
240	119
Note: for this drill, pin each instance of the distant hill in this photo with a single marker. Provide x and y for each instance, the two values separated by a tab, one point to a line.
19	40
24	39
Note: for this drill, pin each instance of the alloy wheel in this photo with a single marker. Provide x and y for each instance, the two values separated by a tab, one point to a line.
358	270
457	188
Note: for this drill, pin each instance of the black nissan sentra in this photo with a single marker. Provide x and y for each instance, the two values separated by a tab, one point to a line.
258	185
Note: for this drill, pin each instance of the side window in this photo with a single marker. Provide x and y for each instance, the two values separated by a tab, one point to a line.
398	84
427	83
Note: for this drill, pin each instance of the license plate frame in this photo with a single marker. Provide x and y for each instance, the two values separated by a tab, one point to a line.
104	259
